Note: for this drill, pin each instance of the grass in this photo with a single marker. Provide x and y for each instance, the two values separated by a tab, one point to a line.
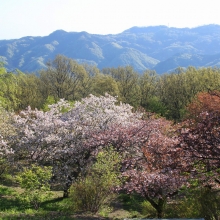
55	208
12	208
124	206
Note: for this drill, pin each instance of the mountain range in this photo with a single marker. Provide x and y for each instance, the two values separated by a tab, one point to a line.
159	48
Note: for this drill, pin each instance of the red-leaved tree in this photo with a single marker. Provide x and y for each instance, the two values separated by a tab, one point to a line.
201	143
200	139
204	102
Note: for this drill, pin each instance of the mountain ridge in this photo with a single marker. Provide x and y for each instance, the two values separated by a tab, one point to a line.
159	48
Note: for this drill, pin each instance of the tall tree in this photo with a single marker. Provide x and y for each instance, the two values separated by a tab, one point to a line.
148	84
63	78
31	91
176	90
102	84
127	80
9	91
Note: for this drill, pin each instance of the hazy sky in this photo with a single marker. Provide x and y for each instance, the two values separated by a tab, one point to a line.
19	18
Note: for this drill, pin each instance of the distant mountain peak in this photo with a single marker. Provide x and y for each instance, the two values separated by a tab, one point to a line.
137	29
58	33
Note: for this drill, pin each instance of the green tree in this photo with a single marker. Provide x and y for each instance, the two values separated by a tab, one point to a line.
31	91
19	90
104	84
9	91
127	80
176	90
63	78
49	101
150	100
148	84
2	68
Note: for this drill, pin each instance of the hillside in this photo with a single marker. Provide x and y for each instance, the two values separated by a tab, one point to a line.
158	47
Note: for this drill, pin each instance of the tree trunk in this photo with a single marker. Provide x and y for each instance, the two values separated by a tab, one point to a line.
65	193
67	187
159	206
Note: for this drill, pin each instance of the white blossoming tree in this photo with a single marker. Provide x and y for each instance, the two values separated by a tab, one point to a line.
6	130
68	138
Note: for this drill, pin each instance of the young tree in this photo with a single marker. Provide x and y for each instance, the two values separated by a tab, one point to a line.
35	182
91	192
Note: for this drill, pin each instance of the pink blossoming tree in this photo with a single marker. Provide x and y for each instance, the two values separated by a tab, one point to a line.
158	174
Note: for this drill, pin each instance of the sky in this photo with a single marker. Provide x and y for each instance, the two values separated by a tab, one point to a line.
19	18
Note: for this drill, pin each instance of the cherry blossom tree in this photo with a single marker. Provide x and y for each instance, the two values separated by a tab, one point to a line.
68	138
158	174
6	155
201	143
6	130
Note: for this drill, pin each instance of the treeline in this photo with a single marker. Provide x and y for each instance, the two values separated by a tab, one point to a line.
167	94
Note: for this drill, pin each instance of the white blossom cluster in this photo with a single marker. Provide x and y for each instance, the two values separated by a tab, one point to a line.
5	150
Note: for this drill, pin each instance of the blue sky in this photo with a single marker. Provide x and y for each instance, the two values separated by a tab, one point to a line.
19	18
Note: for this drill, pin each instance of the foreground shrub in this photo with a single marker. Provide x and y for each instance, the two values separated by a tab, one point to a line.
90	193
35	182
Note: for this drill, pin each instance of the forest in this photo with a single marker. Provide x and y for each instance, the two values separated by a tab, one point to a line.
146	142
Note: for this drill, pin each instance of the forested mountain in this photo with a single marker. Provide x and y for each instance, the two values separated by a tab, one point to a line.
158	47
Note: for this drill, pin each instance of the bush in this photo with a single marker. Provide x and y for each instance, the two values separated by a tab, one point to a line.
197	203
35	182
90	193
209	204
148	210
